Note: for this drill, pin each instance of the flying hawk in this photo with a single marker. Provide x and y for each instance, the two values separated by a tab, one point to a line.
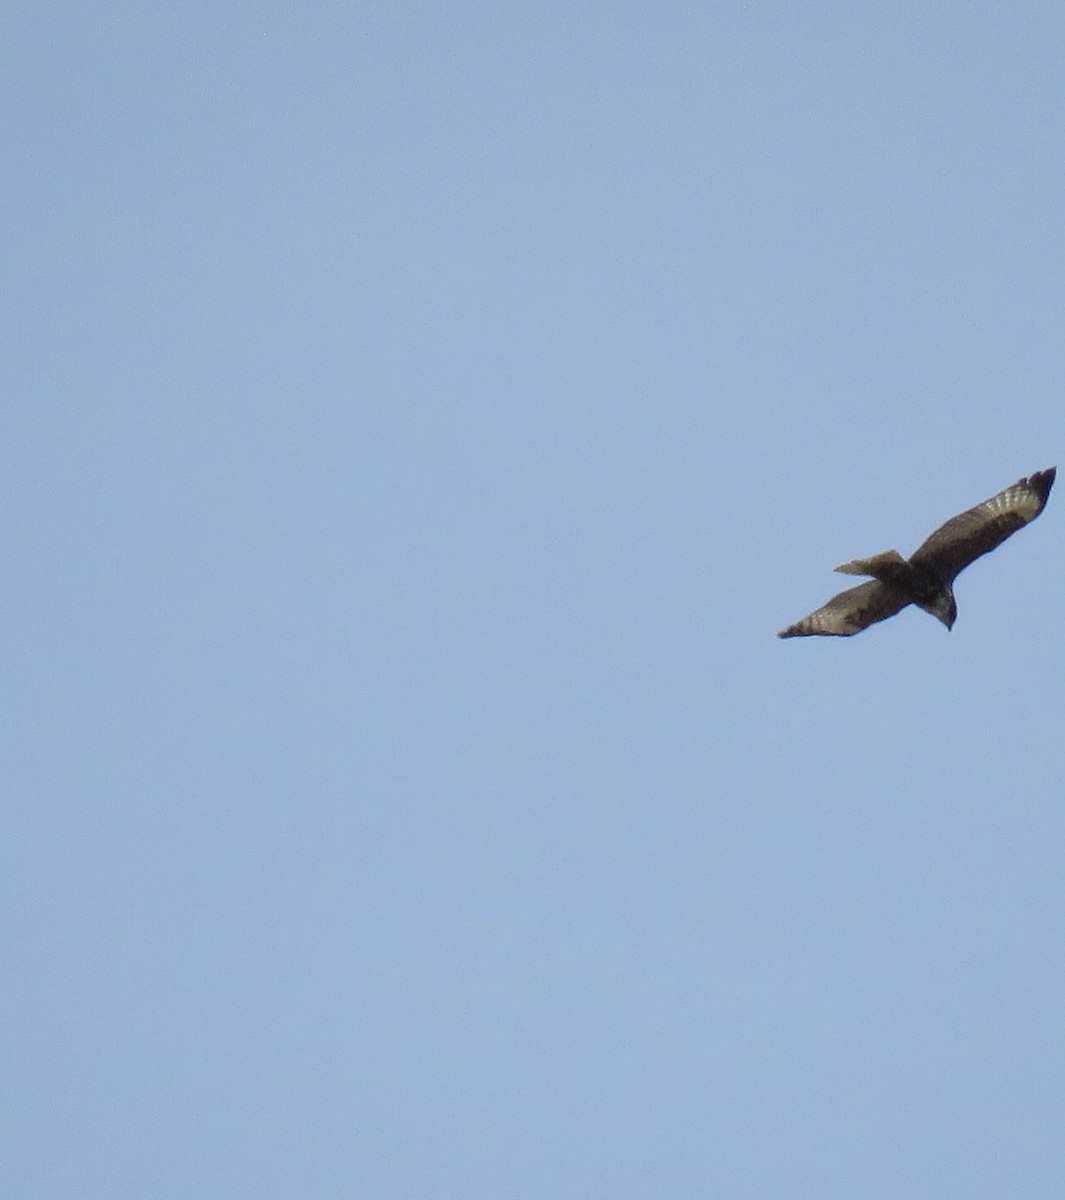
926	579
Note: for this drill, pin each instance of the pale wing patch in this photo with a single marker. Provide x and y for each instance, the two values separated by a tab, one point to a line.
1022	501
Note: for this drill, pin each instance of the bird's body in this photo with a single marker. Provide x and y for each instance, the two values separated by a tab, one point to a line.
927	577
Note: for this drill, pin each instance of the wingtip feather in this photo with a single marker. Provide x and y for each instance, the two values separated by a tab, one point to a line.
1040	482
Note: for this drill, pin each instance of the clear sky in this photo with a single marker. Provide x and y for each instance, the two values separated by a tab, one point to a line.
418	421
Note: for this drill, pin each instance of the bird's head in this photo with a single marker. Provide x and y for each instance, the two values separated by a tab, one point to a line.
944	607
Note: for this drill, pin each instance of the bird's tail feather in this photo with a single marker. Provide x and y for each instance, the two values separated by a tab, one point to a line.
885	565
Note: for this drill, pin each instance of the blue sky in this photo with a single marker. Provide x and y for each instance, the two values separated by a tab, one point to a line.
419	421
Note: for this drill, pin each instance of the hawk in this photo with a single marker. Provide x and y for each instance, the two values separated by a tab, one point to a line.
927	577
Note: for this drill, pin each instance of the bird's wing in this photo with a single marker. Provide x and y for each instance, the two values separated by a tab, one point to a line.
965	537
850	612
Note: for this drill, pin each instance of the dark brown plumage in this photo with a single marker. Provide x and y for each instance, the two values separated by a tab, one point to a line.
927	577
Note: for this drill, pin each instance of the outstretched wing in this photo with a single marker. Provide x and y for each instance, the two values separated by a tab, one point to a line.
965	537
850	612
